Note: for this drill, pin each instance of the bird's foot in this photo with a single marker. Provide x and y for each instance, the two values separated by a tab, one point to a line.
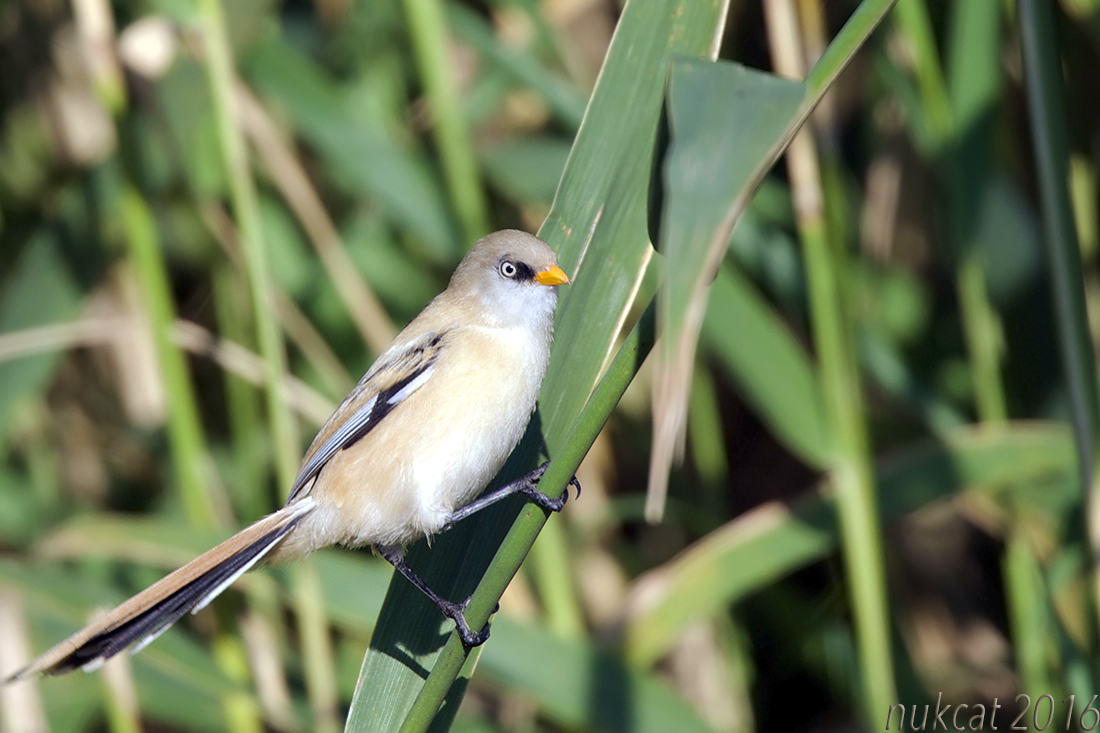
530	489
457	613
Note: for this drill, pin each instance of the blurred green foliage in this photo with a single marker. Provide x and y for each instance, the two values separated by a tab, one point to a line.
736	612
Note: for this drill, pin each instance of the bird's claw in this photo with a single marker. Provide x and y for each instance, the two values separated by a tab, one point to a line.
550	503
457	613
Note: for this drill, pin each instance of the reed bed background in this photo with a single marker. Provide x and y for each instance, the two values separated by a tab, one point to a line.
213	216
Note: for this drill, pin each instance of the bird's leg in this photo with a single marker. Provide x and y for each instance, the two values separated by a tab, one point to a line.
526	485
450	609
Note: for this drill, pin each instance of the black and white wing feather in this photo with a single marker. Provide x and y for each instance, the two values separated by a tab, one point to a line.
388	383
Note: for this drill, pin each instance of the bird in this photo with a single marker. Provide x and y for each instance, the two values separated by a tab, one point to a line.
431	422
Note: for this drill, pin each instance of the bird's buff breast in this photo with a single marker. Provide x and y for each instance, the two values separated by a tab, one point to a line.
433	453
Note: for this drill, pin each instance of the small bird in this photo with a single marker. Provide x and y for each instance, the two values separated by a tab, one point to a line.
425	430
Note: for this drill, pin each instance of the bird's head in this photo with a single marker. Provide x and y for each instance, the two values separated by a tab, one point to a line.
513	276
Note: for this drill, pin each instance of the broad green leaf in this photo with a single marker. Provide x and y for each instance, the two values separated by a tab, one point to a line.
527	169
1027	462
561	683
771	368
727	125
708	445
354	585
579	687
598	227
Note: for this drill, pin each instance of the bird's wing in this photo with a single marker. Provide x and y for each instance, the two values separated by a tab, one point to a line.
388	383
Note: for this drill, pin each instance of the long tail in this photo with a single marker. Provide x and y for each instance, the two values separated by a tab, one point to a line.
149	614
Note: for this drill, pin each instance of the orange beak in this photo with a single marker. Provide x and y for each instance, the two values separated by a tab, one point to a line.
552	275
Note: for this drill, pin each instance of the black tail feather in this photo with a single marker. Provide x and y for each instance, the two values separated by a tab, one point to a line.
155	620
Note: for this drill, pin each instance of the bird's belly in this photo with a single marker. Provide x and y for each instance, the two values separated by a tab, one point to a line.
431	455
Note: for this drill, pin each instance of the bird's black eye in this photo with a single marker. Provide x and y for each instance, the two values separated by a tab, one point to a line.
508	269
